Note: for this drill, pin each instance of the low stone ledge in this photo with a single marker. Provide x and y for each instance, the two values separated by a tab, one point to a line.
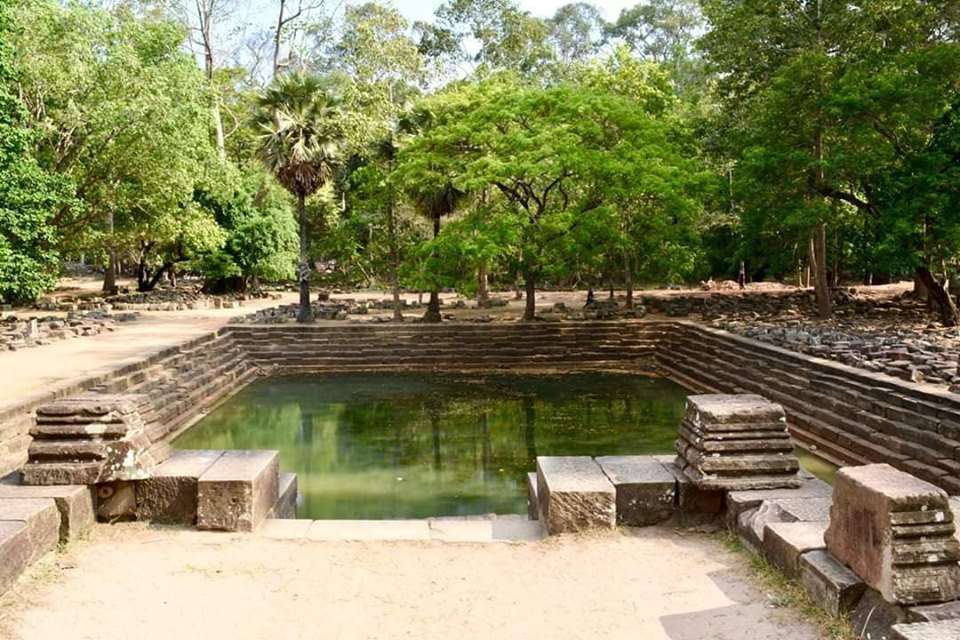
574	494
237	492
533	502
646	491
832	586
947	630
286	506
785	542
169	496
74	503
29	529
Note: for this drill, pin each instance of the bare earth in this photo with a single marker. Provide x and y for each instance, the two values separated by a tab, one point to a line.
131	581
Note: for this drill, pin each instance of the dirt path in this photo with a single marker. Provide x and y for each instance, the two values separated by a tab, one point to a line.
151	584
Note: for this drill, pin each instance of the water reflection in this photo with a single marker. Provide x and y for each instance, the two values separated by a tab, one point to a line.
407	446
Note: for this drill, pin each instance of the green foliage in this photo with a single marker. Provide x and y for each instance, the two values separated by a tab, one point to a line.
28	194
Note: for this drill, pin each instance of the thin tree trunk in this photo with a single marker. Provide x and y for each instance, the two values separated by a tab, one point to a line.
394	262
433	307
939	297
821	287
483	284
628	278
305	313
530	284
110	274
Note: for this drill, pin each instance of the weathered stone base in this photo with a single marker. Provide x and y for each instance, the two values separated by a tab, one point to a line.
832	586
237	492
574	495
169	496
646	490
74	503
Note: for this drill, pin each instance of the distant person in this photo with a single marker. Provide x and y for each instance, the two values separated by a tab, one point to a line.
742	277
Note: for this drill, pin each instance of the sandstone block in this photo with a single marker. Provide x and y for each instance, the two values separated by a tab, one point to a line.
169	496
74	503
831	585
947	630
237	492
574	494
646	491
116	501
897	533
15	552
785	542
934	612
41	521
874	617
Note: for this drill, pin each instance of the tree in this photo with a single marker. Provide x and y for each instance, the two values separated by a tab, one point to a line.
28	195
300	145
822	99
559	157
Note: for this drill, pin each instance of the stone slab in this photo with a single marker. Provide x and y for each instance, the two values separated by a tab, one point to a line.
947	630
15	552
237	492
574	494
832	586
739	501
646	491
41	520
286	506
170	495
806	509
74	502
934	612
785	542
533	503
369	530
896	532
721	408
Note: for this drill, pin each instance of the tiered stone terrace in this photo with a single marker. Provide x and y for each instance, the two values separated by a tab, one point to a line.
847	415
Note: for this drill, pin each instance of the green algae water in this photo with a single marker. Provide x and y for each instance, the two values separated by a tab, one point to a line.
378	446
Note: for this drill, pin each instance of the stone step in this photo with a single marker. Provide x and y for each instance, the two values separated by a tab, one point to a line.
237	492
645	489
945	630
73	502
29	529
170	495
574	494
831	585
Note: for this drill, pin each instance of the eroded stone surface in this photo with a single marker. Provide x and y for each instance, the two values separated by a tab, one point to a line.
286	506
646	491
88	439
574	494
736	442
74	502
785	542
533	503
896	532
832	586
947	630
40	531
169	496
237	492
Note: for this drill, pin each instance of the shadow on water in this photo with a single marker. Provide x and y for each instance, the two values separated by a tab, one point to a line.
413	445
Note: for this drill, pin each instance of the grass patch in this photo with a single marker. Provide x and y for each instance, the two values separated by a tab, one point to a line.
786	593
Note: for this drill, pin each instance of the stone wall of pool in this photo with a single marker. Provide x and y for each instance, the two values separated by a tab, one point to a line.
844	414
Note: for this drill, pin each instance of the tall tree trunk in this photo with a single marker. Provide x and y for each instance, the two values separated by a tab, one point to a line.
218	129
394	261
628	277
530	285
939	297
305	313
433	306
821	287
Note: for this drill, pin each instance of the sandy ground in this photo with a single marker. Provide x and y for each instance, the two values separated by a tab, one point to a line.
130	581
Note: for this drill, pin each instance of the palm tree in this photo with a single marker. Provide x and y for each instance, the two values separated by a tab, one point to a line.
299	143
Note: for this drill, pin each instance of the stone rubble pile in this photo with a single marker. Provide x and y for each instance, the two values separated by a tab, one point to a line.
20	333
919	353
736	442
160	299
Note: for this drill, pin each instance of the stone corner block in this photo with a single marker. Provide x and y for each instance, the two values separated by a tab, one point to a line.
574	494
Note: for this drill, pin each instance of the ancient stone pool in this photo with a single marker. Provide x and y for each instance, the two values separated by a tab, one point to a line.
416	445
